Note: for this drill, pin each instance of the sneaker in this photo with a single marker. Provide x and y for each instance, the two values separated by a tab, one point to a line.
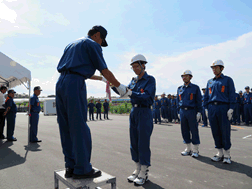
140	181
217	158
227	160
195	154
132	177
69	172
185	153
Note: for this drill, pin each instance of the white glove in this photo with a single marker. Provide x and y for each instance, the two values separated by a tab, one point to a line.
230	114
206	111
128	93
179	116
198	116
104	79
122	89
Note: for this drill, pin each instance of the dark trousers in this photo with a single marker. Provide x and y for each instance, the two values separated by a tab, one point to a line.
11	119
34	126
220	125
204	118
169	114
242	113
157	115
248	112
98	113
105	112
71	106
236	113
91	114
2	122
141	126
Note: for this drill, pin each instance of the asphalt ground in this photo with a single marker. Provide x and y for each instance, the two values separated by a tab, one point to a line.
29	167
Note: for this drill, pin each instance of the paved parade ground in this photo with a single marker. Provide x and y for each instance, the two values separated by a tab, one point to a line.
32	167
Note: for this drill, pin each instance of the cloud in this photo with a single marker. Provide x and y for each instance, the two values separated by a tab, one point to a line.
25	17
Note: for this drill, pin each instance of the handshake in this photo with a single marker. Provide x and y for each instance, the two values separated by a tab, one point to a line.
122	89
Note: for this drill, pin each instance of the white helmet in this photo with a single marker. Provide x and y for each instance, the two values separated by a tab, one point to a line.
217	63
137	58
187	72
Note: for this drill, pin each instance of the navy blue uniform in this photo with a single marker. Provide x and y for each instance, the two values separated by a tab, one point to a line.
106	109
91	110
169	115
164	107
174	114
156	107
189	102
10	116
80	60
35	109
218	99
204	118
141	120
247	107
241	109
236	112
98	110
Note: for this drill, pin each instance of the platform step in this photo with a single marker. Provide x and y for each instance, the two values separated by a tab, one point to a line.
88	183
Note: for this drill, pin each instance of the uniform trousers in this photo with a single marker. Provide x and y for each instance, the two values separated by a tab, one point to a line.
11	119
248	112
157	115
34	126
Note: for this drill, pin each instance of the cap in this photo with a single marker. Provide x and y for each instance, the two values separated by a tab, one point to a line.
11	91
240	91
37	88
187	72
247	87
104	33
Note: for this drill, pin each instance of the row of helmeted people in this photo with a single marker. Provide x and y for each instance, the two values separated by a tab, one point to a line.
98	106
168	107
8	110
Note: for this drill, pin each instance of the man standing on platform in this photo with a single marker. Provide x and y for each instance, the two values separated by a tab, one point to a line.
34	118
189	103
219	103
106	109
91	106
80	60
10	113
3	90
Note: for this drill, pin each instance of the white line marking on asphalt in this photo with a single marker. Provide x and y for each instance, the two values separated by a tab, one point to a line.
246	136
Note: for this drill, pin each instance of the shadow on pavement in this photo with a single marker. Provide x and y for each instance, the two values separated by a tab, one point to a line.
9	158
235	166
151	185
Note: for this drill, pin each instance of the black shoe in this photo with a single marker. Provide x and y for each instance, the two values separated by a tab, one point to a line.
12	139
2	137
238	124
92	174
69	172
36	141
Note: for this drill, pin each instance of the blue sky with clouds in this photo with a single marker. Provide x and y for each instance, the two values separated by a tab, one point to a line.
173	35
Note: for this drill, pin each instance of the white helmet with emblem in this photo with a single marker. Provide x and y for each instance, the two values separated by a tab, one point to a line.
217	63
138	58
187	72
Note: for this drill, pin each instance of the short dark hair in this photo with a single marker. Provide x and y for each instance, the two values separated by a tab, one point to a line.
92	31
2	88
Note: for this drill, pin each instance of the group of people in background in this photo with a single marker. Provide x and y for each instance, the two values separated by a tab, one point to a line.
8	110
98	107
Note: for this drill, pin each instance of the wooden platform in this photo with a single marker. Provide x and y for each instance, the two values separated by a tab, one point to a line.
90	183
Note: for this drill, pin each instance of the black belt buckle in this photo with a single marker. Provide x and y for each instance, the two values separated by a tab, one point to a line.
215	103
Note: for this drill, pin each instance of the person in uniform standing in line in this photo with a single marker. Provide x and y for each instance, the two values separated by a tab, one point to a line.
174	109
164	107
141	91
106	109
169	115
98	109
247	96
91	106
34	118
204	118
219	103
157	105
236	113
10	113
189	104
3	90
241	108
80	60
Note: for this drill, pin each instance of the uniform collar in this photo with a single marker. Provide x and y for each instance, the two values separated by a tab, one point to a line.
218	77
189	85
145	76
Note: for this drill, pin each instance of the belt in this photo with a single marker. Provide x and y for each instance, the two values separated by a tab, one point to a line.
140	106
247	103
34	111
218	103
72	72
187	108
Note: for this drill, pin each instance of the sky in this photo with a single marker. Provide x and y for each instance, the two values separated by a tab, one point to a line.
174	36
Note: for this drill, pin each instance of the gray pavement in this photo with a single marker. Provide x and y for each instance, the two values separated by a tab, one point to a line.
27	167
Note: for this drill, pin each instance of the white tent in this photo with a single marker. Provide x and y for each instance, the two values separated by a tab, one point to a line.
13	74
